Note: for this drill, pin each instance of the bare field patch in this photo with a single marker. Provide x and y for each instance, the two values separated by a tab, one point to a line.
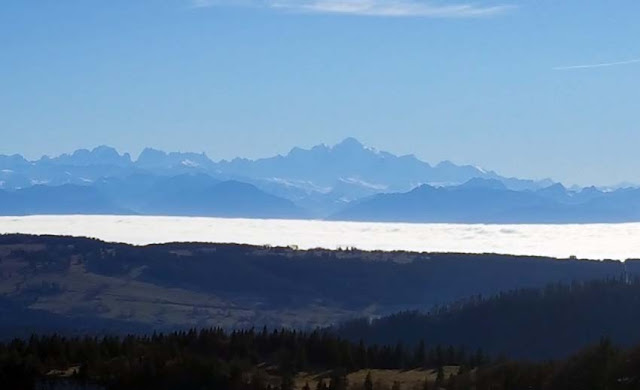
382	379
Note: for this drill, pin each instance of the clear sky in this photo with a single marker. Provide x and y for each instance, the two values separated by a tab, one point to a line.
500	84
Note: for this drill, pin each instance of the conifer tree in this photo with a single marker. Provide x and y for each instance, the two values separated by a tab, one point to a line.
368	382
287	382
420	355
439	378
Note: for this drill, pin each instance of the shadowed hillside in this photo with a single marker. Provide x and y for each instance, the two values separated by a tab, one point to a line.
531	323
193	284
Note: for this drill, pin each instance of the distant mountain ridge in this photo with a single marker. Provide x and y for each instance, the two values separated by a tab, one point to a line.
490	201
185	195
346	181
351	161
317	169
65	199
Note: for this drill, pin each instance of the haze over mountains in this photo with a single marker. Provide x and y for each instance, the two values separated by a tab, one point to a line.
347	181
490	201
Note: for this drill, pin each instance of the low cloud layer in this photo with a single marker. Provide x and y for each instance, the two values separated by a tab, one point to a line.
389	8
593	241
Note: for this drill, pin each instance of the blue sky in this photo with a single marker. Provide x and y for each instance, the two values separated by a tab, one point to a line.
540	88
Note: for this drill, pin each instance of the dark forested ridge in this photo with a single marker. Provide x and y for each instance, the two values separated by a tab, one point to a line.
211	358
288	360
529	323
476	313
190	284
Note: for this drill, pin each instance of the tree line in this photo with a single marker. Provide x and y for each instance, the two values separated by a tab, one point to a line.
534	323
211	358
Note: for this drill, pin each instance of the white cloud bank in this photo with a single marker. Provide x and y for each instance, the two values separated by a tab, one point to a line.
390	8
593	241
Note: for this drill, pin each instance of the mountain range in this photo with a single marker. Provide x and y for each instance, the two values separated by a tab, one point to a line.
347	181
490	201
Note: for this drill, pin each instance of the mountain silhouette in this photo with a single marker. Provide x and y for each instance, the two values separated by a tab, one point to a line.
489	201
346	181
65	199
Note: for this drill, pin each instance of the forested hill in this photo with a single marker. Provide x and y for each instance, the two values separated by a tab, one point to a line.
211	359
83	281
530	323
86	287
290	360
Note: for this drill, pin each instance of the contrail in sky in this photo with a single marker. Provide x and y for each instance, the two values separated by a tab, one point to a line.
601	65
390	8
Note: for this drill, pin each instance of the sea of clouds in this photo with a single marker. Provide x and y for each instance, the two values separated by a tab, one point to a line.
592	241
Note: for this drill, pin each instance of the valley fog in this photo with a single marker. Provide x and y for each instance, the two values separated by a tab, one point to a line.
589	241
